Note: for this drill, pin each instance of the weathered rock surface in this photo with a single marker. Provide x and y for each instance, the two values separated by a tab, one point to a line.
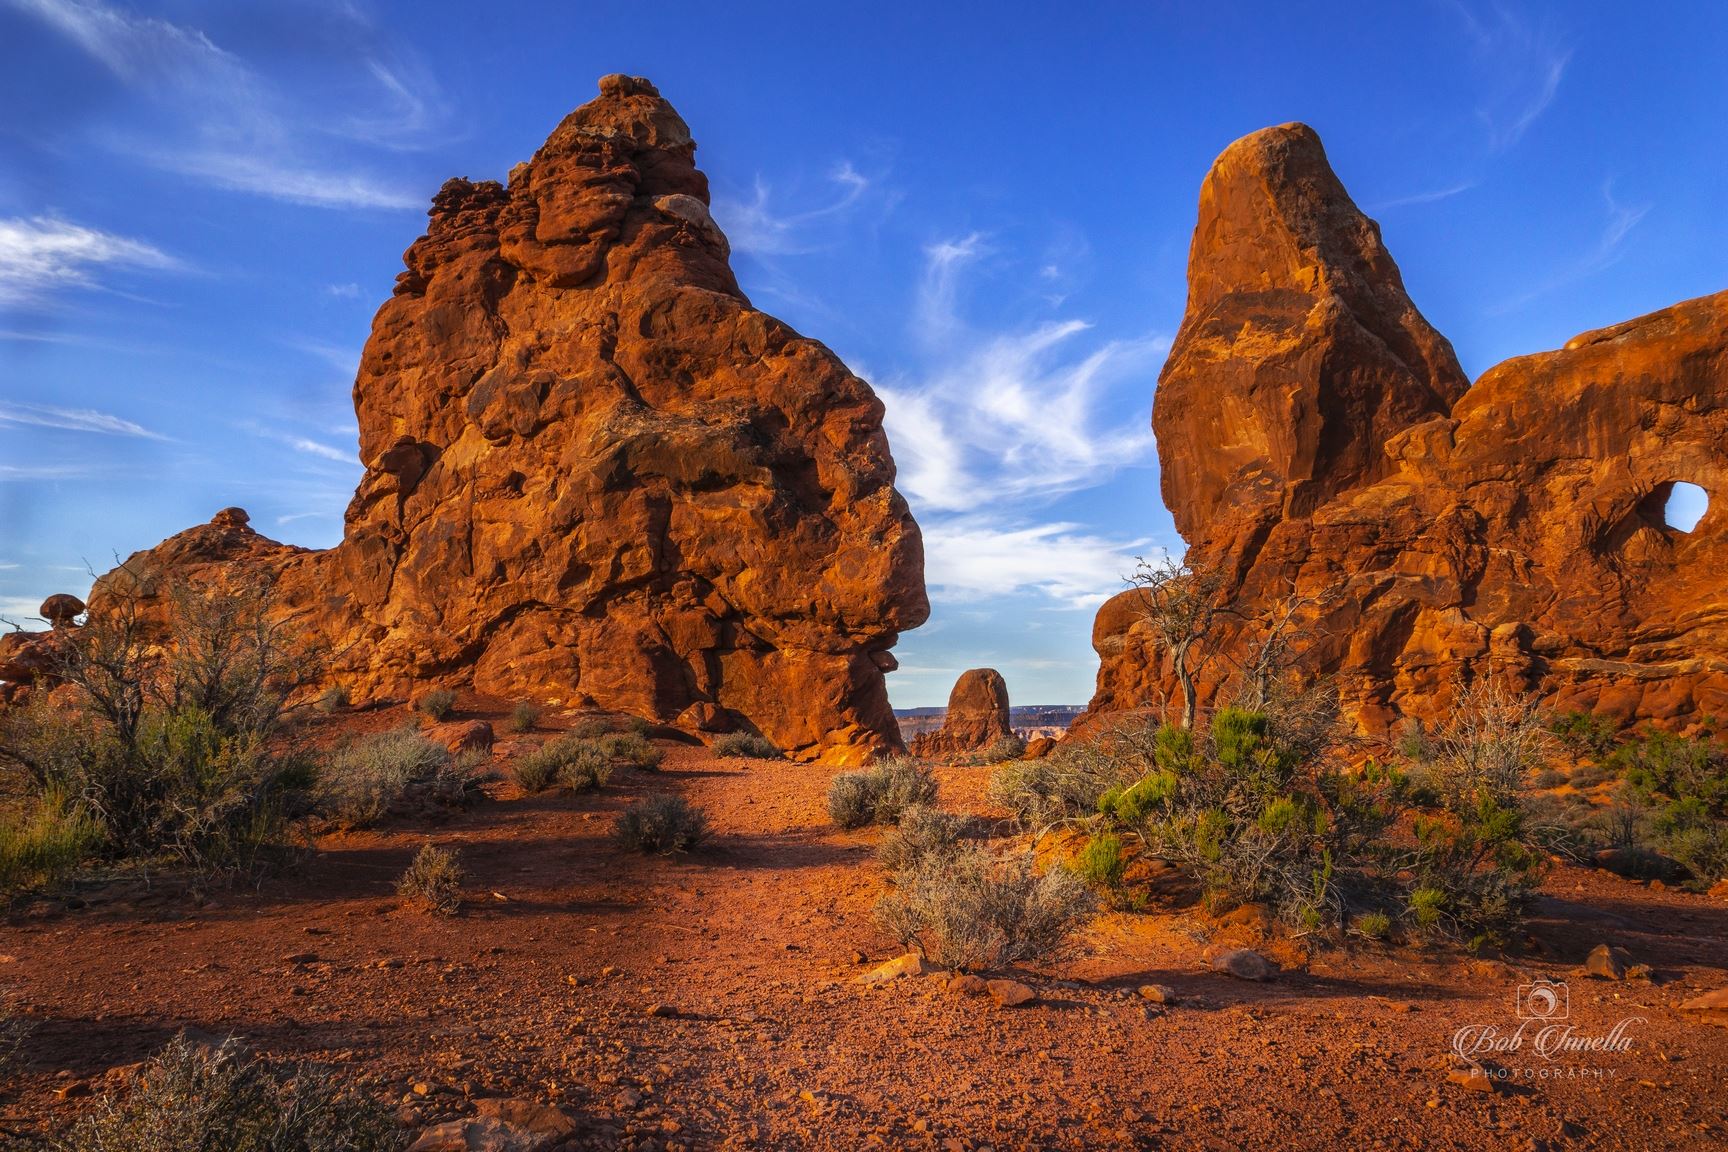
595	475
500	1126
1317	439
977	717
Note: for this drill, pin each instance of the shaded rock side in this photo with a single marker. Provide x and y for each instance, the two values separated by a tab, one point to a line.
977	717
595	475
1317	440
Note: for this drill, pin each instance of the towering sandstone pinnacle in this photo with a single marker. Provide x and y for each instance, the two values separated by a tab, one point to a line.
977	717
595	474
1318	439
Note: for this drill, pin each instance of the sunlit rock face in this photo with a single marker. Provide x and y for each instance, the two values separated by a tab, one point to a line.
977	717
595	474
1318	439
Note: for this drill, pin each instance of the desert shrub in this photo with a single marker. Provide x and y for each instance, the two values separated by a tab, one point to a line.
389	773
1100	861
437	703
1677	768
167	746
880	793
433	882
1373	925
524	716
1490	743
972	911
535	770
14	1030
1584	733
1473	870
921	832
662	823
1008	747
1549	778
1066	785
195	1097
1256	821
1689	834
1590	774
332	699
590	727
46	841
584	763
569	761
630	750
744	746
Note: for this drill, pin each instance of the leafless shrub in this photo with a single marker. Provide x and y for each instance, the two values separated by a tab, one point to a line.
972	911
433	882
193	1096
663	823
921	833
880	793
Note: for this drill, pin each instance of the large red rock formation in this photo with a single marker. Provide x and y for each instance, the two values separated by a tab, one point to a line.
1317	440
595	474
977	717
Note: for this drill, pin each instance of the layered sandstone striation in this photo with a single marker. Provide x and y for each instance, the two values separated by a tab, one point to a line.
977	717
1319	446
596	475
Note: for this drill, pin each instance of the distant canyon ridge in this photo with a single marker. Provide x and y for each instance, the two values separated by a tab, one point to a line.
596	476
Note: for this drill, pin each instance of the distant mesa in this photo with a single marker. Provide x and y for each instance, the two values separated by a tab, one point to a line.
1318	440
596	475
977	717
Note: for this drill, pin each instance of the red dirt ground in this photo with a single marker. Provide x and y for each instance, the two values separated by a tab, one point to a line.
541	989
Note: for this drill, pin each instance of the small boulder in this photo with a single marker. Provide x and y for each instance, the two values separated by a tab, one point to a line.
1244	964
1010	993
62	609
231	518
911	964
500	1126
1158	993
466	736
1038	747
1641	864
1710	1008
1606	962
967	984
1475	1078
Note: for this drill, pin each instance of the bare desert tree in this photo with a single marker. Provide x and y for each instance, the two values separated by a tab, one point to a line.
1181	605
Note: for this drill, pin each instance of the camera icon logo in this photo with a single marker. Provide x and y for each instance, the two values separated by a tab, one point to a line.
1544	999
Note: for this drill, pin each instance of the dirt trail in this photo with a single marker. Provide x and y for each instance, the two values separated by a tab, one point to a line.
541	988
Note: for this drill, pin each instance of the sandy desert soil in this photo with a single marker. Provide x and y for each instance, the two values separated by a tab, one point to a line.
542	988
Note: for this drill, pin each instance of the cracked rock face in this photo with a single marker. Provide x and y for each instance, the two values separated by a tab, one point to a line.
1317	438
596	475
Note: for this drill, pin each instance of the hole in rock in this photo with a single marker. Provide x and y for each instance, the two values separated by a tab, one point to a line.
1685	506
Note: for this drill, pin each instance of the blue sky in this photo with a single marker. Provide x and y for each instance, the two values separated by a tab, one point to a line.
985	209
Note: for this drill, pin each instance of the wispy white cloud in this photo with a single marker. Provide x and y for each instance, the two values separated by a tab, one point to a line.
755	226
139	49
1620	220
343	291
314	448
73	420
1431	197
1007	416
222	122
1521	62
280	179
21	473
967	557
41	255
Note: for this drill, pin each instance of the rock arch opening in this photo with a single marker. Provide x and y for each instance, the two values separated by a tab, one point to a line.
1684	505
